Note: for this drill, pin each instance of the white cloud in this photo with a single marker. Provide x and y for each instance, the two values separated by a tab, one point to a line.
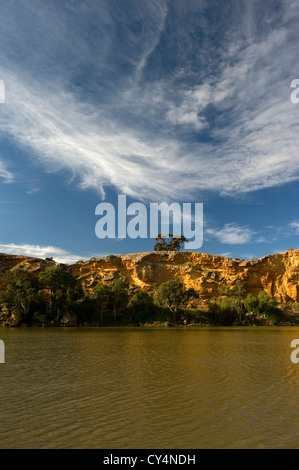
135	140
295	226
5	174
232	234
193	102
37	251
62	134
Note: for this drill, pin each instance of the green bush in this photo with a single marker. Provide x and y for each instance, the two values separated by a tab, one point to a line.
262	307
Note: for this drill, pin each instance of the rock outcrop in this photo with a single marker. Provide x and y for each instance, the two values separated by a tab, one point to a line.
277	274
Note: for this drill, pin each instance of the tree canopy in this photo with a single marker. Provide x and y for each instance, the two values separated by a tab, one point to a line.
59	282
115	295
233	298
174	294
21	293
174	243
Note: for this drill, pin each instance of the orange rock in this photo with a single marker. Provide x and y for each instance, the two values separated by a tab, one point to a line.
277	274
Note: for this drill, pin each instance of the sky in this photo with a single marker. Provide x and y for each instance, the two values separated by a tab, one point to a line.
161	101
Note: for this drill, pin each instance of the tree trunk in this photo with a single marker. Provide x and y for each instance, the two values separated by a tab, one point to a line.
173	311
174	314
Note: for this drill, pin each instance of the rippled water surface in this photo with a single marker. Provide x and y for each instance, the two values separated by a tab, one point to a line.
149	388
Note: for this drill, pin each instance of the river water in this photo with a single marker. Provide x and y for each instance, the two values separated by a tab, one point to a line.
142	388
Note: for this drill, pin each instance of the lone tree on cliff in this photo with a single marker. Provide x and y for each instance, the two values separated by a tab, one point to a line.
175	242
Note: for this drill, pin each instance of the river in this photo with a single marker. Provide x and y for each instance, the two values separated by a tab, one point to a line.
147	388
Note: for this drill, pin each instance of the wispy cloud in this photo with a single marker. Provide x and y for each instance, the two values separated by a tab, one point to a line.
225	124
5	173
274	233
227	254
295	227
232	234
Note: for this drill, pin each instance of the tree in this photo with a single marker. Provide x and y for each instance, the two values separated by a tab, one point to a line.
251	304
21	294
78	303
58	281
233	298
160	244
174	294
114	296
219	314
175	243
102	296
82	308
142	305
119	295
263	304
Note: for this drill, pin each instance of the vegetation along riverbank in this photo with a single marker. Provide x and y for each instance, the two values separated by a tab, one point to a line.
155	288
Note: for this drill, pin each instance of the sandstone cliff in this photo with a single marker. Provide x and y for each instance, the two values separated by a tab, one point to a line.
277	274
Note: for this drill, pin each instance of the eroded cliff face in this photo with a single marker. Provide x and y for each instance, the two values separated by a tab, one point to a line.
8	262
277	274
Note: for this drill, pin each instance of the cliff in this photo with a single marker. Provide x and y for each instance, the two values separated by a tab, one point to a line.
277	274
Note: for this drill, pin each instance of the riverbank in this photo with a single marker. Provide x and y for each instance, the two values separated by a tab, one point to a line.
156	324
171	288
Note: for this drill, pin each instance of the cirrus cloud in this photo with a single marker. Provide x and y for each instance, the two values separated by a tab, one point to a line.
142	125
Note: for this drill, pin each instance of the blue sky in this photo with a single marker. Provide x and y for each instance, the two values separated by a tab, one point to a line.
175	101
